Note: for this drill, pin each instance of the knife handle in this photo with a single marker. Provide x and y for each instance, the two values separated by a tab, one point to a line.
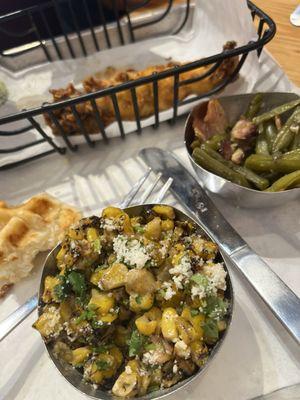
281	300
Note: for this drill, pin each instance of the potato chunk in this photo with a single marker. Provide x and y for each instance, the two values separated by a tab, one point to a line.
49	323
114	276
140	281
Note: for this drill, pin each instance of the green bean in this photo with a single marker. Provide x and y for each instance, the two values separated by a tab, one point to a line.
215	141
218	168
293	154
195	143
263	163
285	182
271	176
254	106
285	135
261	146
296	141
276	111
271	134
258	181
213	153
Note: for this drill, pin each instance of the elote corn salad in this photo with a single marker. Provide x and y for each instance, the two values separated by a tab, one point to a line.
137	303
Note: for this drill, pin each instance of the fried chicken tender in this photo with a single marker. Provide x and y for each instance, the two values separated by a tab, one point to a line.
144	93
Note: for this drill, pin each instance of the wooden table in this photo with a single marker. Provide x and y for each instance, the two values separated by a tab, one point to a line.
285	47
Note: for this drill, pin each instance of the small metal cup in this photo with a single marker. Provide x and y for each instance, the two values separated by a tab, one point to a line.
75	377
234	106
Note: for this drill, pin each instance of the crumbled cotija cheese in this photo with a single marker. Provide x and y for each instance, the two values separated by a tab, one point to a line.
181	349
216	275
198	291
53	326
181	272
108	224
130	251
164	247
149	357
169	291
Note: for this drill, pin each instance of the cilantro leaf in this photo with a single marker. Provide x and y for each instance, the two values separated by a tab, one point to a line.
102	365
139	229
200	280
61	290
102	348
216	308
78	283
136	343
150	346
138	299
194	312
211	332
86	315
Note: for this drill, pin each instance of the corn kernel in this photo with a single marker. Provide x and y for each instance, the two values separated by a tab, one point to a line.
167	225
114	276
92	234
168	324
139	303
102	302
164	211
145	326
80	355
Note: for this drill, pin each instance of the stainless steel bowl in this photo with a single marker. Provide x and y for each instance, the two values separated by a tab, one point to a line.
75	377
234	106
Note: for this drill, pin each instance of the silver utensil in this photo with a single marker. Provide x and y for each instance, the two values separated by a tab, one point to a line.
234	106
281	300
17	316
295	16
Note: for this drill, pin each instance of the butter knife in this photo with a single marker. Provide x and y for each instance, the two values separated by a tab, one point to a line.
281	300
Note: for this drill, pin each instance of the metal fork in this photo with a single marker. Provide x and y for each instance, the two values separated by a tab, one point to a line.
17	316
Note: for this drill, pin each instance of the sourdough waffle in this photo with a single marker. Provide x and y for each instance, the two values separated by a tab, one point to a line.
25	230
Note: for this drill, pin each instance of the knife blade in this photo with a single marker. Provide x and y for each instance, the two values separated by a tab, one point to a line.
281	300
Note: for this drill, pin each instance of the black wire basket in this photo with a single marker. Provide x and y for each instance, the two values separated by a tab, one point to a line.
44	36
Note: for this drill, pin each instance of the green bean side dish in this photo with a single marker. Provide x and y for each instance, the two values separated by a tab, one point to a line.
260	151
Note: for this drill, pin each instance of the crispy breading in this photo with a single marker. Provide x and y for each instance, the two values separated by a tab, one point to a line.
144	93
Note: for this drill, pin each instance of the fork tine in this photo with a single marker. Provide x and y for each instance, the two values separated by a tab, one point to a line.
150	189
161	194
130	196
